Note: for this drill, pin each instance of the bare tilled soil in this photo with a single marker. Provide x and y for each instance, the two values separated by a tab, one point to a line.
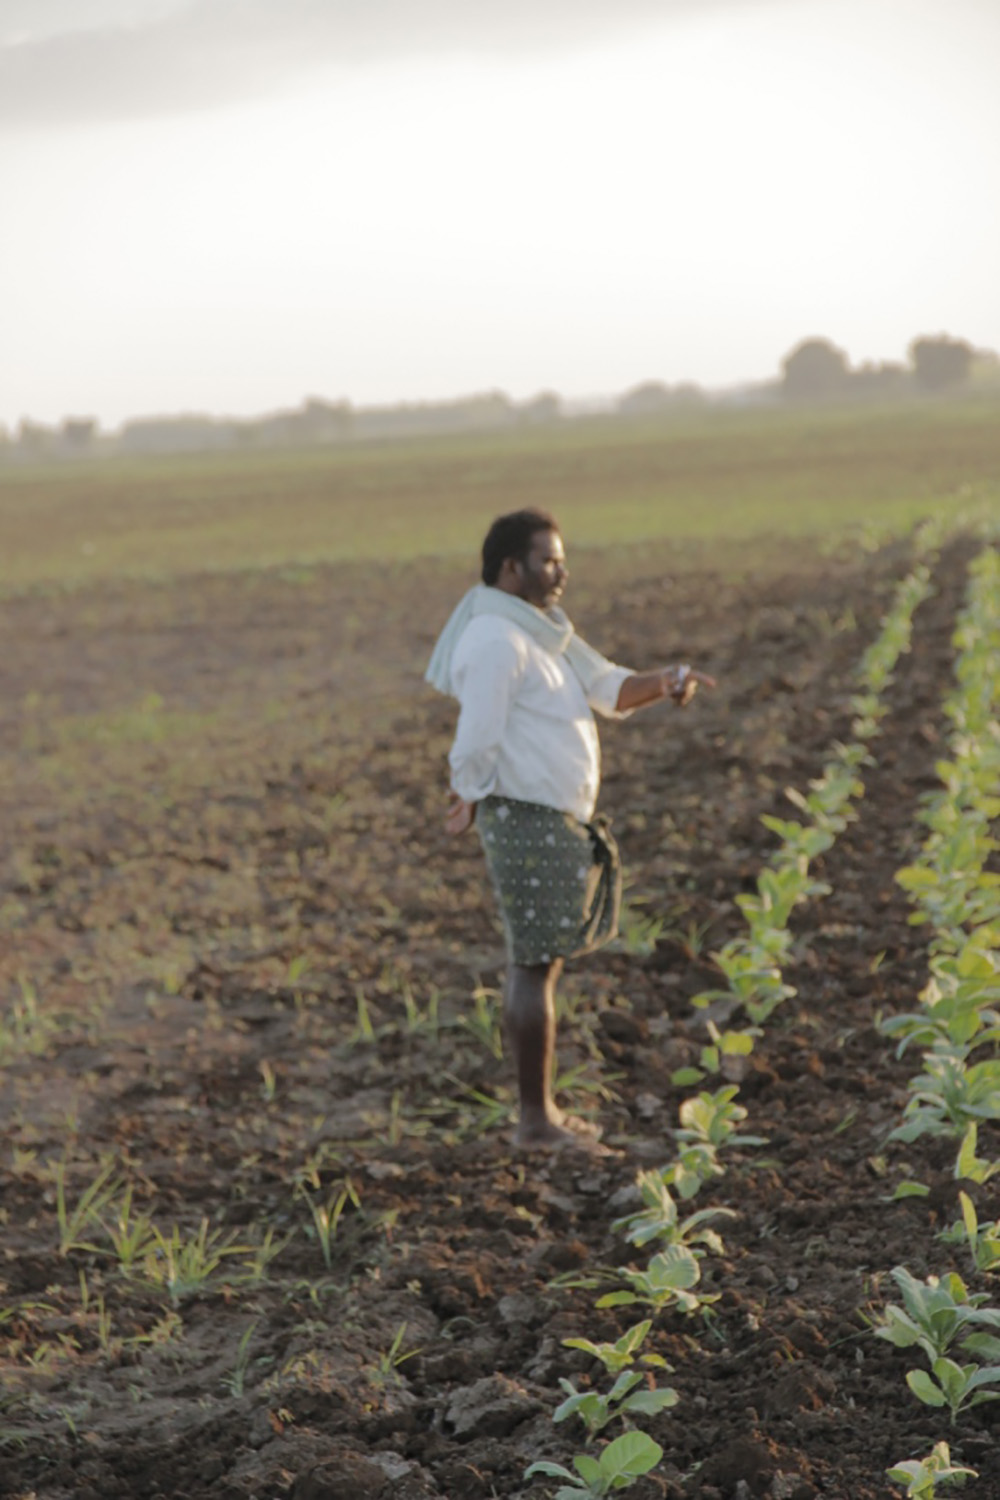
246	975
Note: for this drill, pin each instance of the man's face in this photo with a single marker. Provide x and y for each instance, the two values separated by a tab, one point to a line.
542	576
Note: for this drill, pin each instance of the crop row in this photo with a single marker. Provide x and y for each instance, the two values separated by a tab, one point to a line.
957	1027
711	1121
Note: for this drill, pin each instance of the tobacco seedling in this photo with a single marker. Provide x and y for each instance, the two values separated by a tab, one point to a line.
983	1240
711	1120
922	1475
752	975
659	1219
936	1312
619	1355
695	1165
619	1465
949	1095
956	1386
623	1400
968	1165
666	1281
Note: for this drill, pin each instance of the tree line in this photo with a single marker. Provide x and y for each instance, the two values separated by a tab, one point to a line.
816	369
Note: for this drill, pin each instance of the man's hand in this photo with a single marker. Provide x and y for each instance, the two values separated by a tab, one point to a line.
460	815
681	683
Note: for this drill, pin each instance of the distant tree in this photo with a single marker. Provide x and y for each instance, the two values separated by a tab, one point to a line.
941	361
78	434
814	368
33	438
543	408
653	396
874	379
650	396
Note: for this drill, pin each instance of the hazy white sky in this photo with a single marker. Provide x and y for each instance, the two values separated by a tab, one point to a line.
228	205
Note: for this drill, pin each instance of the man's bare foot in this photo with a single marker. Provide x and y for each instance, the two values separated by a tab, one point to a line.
566	1131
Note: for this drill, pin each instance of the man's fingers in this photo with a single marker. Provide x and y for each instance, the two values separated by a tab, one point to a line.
460	814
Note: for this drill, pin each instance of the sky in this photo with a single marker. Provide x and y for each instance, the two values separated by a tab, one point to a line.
229	206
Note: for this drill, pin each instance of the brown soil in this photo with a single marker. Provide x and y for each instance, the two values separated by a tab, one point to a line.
200	889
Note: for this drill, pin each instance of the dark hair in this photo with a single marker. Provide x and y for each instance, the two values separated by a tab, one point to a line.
510	536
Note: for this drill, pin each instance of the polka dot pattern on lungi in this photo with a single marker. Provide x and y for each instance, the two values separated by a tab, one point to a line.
558	881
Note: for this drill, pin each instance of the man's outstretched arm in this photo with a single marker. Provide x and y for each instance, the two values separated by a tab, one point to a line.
679	684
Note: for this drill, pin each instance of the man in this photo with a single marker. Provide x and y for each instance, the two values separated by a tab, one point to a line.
525	769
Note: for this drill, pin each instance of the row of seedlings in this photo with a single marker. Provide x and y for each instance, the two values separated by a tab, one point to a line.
958	1088
669	1282
711	1121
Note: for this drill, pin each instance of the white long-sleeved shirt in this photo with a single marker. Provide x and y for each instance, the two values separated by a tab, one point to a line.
525	728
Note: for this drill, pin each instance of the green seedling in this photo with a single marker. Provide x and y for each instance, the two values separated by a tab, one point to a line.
723	1044
485	1023
968	1165
94	1200
667	1281
25	1030
261	1256
695	1165
184	1267
981	1239
235	1383
711	1120
477	1111
779	889
799	841
595	1410
638	935
130	1237
619	1465
957	1012
326	1216
936	1312
922	1475
385	1370
949	1095
619	1355
660	1220
958	1387
753	976
418	1020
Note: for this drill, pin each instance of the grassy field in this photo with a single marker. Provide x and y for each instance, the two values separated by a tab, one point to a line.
723	476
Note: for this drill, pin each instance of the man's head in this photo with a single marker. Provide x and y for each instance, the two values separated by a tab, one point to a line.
523	555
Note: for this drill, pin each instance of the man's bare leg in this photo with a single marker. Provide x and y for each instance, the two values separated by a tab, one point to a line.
530	1015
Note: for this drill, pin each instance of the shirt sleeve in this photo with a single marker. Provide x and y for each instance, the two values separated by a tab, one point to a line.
485	682
603	694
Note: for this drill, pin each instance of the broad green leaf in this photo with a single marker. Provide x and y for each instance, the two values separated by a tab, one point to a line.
982	1345
632	1454
588	1468
651	1402
923	1388
554	1471
683	1078
910	1190
917	878
625	1382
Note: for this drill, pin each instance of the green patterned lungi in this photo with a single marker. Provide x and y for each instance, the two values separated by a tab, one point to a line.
558	881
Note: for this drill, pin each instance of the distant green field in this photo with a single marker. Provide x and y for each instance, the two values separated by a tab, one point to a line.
723	476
